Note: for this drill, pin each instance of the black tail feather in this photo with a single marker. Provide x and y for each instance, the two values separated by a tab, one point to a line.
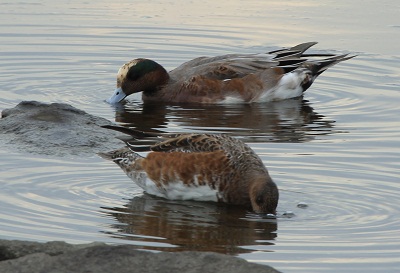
137	141
295	51
294	57
132	132
322	65
303	47
317	67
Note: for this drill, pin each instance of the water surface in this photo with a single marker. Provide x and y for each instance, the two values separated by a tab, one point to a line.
336	149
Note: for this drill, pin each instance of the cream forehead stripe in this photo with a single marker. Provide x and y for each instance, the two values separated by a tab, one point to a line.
124	70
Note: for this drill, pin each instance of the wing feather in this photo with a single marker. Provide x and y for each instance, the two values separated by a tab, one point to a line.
144	141
189	143
231	66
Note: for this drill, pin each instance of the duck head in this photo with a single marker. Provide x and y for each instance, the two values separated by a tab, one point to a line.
264	195
136	76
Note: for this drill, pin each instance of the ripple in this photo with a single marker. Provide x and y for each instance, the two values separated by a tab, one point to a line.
335	149
57	203
360	87
352	206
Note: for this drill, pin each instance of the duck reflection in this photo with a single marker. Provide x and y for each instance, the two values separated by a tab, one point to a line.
291	120
190	225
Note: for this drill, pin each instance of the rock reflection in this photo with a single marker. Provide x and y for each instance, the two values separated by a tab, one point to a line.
291	120
190	225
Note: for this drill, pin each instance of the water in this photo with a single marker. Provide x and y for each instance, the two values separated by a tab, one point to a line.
337	149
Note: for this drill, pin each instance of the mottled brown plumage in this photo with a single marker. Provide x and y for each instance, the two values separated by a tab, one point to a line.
184	166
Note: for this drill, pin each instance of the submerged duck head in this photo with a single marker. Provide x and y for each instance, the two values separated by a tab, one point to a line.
136	76
264	195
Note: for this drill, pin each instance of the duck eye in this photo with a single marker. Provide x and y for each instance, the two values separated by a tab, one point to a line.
259	199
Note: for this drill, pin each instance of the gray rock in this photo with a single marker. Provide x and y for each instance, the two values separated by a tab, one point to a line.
12	249
55	129
119	259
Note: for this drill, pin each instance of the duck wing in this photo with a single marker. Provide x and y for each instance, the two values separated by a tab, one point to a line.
223	67
143	141
231	66
189	143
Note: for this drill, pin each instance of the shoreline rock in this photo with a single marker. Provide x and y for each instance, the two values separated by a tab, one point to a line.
55	129
60	257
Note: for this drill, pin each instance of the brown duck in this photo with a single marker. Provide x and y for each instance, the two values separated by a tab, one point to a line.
202	167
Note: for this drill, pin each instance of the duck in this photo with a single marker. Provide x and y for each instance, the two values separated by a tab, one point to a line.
199	167
233	78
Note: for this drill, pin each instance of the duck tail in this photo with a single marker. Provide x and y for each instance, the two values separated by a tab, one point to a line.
131	132
129	161
121	155
316	67
137	141
291	58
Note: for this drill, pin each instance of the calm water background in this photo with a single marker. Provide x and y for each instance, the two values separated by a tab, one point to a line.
337	149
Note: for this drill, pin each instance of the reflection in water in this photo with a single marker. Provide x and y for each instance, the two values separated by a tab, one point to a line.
291	120
190	225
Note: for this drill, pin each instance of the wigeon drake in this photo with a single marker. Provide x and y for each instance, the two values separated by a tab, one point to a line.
232	78
202	167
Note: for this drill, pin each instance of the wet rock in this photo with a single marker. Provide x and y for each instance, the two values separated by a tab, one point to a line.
302	205
118	259
12	249
55	129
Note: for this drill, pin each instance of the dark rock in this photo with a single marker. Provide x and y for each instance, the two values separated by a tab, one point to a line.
119	259
55	129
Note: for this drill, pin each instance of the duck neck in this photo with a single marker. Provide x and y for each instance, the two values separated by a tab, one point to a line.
156	81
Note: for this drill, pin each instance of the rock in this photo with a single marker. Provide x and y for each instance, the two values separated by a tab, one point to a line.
55	129
12	249
119	259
